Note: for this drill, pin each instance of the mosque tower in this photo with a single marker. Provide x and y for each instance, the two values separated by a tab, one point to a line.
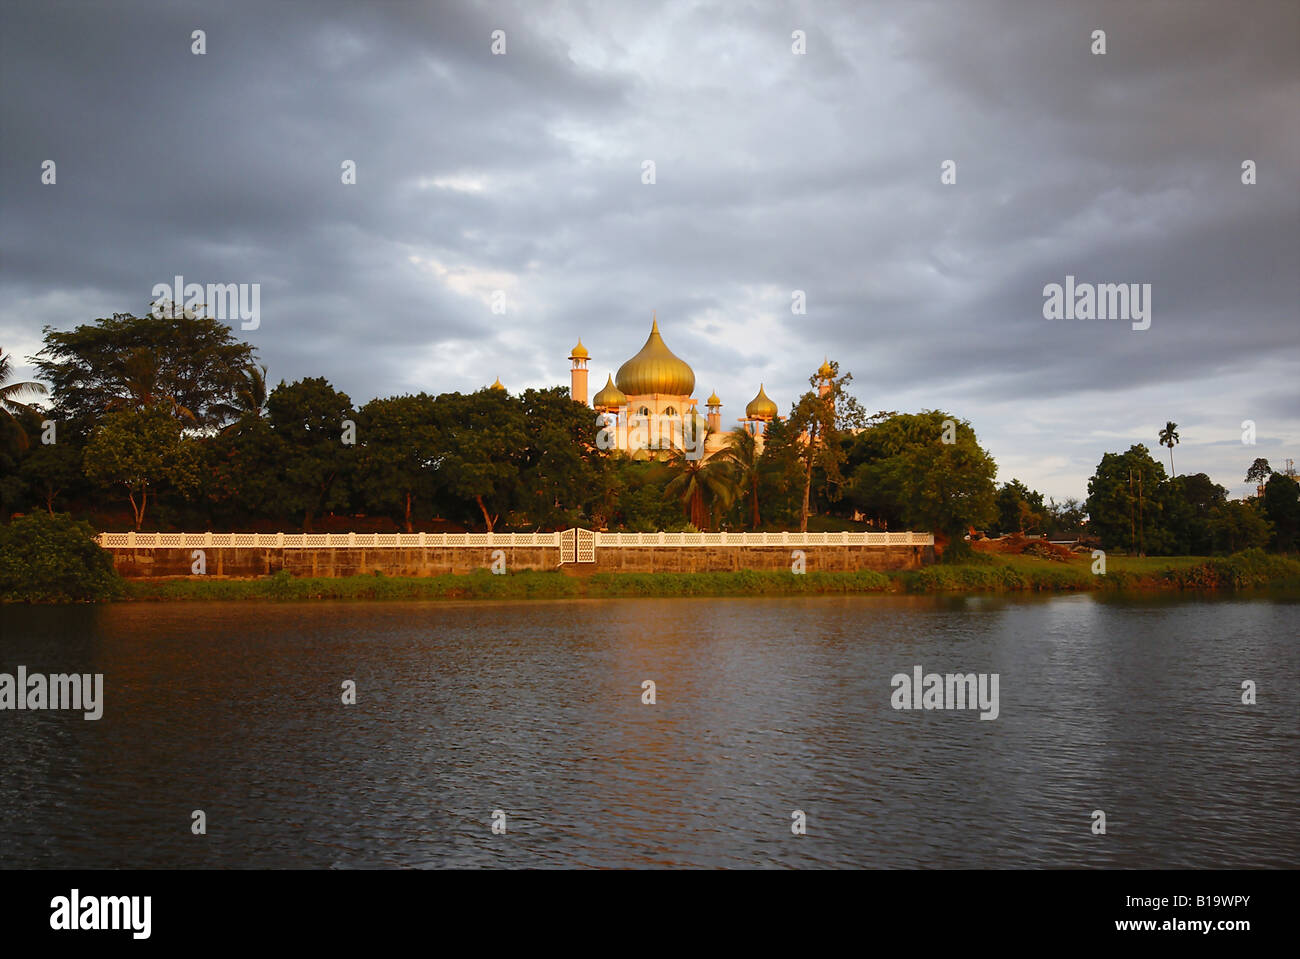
715	412
578	375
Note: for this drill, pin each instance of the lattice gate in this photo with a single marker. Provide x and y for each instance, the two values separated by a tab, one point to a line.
577	546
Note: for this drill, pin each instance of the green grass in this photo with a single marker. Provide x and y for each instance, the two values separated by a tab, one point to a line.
985	574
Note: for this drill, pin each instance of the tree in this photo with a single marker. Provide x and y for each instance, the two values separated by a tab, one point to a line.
1065	520
143	388
1020	509
51	468
1169	437
704	485
54	559
1282	508
823	415
925	471
1123	509
1188	507
250	396
141	450
193	364
747	463
780	479
559	461
9	394
399	445
483	441
1259	472
308	418
630	495
1236	525
244	479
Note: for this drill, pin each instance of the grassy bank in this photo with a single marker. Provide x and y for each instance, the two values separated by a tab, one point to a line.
1252	569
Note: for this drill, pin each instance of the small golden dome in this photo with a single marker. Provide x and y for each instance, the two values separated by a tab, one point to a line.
656	369
498	385
609	398
825	371
579	351
713	400
761	406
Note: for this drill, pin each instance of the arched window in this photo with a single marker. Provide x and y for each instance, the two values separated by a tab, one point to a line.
644	411
669	411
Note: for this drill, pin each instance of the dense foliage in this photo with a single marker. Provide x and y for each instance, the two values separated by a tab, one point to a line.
54	559
1135	507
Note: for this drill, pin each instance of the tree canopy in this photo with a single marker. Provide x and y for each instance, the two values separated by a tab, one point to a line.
167	420
193	366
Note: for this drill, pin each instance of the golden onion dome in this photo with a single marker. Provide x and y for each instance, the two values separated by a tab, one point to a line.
498	385
713	400
610	397
825	371
761	406
656	369
579	351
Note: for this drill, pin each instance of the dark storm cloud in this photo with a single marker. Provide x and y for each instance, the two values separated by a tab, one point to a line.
774	173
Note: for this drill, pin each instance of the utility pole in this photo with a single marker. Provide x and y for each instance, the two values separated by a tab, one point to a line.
1132	535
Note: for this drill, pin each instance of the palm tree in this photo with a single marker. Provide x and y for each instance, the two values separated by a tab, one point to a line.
1169	437
704	485
250	397
9	393
745	456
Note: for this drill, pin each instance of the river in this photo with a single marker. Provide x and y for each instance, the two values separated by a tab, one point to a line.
764	708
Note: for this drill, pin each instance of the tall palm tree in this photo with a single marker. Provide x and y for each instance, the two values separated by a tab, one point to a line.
1169	437
704	485
9	393
744	454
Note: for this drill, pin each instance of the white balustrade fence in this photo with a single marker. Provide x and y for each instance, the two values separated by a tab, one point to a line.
764	539
322	540
497	540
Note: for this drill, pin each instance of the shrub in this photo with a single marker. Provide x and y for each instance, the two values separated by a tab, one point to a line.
54	559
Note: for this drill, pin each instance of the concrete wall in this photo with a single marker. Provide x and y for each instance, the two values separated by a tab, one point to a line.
431	561
329	562
701	559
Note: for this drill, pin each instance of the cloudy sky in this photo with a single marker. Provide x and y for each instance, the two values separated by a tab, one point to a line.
774	172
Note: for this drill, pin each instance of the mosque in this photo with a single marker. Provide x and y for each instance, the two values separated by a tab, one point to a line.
648	404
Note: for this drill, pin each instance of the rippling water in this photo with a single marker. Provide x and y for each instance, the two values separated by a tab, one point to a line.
765	706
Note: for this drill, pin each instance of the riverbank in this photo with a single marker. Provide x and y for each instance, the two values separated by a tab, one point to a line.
1253	569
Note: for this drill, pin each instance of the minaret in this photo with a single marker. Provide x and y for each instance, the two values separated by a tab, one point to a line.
578	376
825	374
715	413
